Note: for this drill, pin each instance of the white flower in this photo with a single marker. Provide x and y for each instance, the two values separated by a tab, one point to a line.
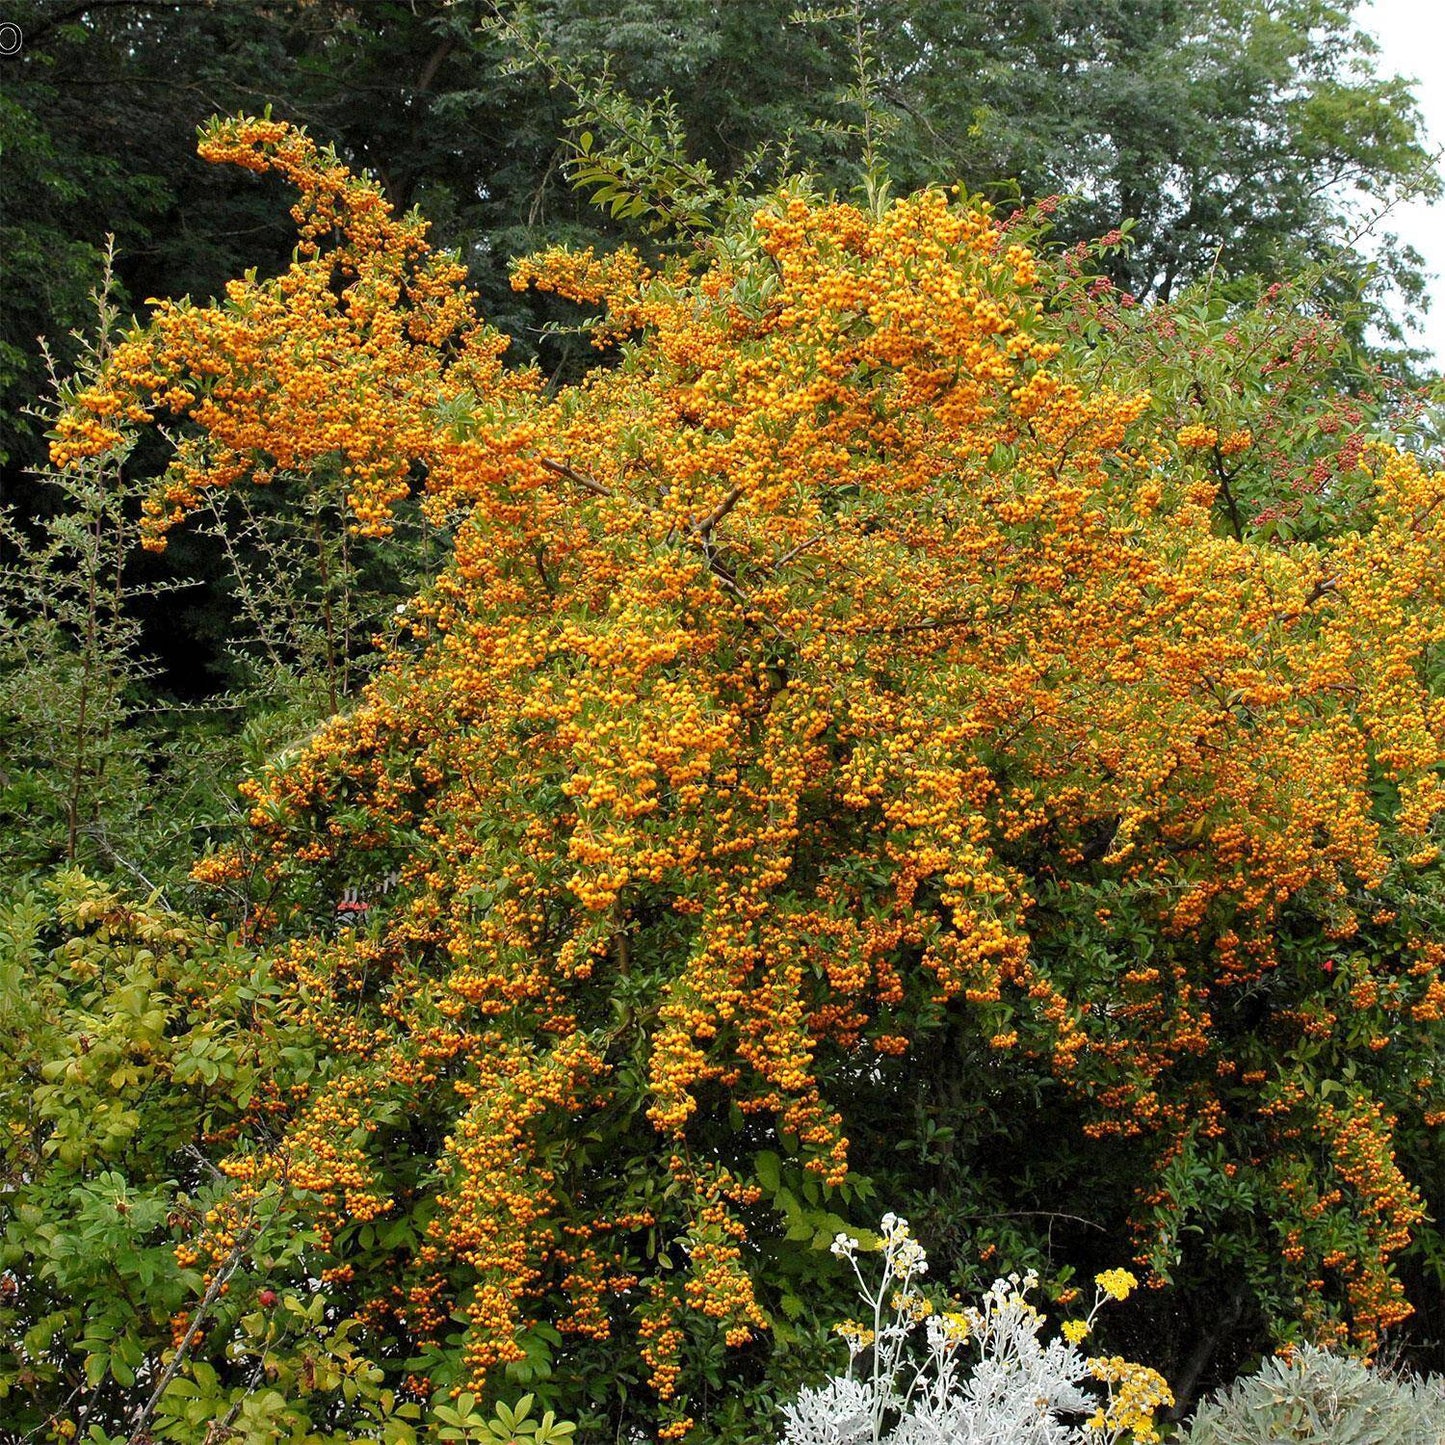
985	1376
908	1257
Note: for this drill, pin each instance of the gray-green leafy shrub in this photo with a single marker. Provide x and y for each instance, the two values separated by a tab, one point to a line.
1322	1399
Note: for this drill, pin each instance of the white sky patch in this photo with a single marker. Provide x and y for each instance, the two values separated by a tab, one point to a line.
1412	43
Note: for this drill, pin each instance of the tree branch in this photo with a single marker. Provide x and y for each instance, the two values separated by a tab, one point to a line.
139	1434
588	484
704	528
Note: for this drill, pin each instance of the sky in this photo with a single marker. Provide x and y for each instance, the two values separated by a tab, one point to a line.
1412	43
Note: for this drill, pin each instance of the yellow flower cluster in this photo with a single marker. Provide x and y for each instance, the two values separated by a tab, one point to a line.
1135	1394
1116	1283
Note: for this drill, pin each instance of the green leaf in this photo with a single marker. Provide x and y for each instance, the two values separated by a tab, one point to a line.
768	1169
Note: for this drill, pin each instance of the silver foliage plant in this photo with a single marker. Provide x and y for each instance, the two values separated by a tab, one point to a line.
985	1375
1323	1399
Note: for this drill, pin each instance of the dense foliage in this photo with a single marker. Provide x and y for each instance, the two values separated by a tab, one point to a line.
902	697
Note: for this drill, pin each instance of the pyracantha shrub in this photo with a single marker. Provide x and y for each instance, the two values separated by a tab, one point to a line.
840	664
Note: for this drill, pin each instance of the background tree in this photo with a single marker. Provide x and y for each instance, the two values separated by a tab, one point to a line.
1243	138
1240	136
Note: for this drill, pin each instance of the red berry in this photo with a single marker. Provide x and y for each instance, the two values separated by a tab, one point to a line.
266	1298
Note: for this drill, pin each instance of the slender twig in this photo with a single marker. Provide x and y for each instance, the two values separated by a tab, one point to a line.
221	1430
112	855
799	549
588	484
219	1280
72	802
1420	517
1040	1214
330	633
539	555
1236	521
1322	588
928	624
